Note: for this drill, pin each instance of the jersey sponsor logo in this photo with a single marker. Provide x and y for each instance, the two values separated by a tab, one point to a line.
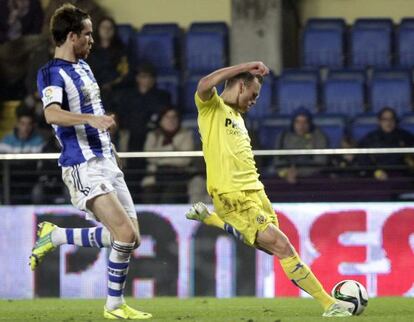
233	128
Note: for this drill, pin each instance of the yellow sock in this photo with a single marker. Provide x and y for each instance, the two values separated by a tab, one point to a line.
214	220
301	275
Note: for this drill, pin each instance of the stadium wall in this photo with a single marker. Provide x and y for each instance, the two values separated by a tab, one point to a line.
369	242
353	9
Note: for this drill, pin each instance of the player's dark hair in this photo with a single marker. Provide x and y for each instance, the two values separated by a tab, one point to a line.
247	78
66	19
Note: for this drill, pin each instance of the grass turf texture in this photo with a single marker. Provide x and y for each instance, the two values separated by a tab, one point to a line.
202	310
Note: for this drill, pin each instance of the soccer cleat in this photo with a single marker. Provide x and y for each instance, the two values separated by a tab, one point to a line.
198	212
336	311
125	312
43	244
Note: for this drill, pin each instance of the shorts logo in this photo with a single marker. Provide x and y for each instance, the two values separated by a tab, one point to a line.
260	219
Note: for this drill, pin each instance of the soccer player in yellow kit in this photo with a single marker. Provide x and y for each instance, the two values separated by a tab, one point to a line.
241	205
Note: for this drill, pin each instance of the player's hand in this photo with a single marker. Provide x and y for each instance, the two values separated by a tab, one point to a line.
258	68
101	122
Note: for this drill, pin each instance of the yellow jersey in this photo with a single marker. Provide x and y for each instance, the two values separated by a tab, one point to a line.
226	147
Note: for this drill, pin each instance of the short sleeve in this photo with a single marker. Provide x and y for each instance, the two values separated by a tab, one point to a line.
212	102
50	85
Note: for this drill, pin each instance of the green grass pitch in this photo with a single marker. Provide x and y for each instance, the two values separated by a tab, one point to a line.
392	309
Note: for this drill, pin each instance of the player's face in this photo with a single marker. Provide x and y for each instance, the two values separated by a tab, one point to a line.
84	41
248	95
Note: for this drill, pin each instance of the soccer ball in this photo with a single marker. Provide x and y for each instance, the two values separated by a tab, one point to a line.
352	296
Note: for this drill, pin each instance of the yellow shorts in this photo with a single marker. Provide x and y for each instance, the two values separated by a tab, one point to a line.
248	211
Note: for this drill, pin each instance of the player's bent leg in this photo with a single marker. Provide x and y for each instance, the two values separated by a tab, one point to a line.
108	209
125	312
43	244
276	242
200	212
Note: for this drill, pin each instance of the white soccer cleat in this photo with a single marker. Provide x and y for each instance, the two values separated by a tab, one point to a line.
198	211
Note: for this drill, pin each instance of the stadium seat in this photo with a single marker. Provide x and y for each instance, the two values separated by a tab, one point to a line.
407	123
391	88
157	48
220	27
170	28
270	128
326	23
171	83
297	89
205	51
371	41
362	125
323	43
126	34
344	92
405	43
333	126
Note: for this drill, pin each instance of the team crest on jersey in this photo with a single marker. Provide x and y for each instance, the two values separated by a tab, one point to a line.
91	94
260	219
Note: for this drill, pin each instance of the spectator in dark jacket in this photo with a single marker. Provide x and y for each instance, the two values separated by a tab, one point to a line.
388	135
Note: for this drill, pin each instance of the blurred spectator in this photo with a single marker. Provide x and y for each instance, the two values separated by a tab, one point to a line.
19	18
25	138
137	106
49	188
345	165
302	134
167	178
387	135
108	58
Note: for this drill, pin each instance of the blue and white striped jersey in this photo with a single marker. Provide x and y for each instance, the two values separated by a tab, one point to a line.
74	88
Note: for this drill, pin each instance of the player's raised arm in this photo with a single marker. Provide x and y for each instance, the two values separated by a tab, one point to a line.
207	83
55	115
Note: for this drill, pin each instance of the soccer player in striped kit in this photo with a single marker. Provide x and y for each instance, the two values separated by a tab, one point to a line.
73	106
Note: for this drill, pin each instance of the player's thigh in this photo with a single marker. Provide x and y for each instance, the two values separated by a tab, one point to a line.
109	211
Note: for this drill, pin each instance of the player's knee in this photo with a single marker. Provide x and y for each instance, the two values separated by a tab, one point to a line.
137	241
281	247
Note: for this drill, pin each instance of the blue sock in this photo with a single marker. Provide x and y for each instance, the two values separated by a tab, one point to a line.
85	237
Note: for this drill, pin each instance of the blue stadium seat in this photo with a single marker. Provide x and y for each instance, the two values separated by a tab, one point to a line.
374	23
219	26
171	28
323	47
371	41
157	48
326	23
205	51
270	128
407	122
405	43
362	125
126	34
333	126
171	83
297	89
344	92
391	88
263	107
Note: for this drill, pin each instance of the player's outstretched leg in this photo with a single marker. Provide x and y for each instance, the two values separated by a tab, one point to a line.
51	236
